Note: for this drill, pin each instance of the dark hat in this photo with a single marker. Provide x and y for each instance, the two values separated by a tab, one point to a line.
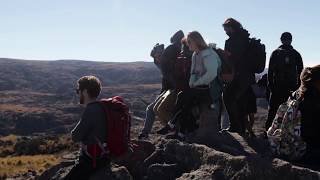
286	36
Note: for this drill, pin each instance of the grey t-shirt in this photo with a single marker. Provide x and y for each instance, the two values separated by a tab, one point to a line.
92	125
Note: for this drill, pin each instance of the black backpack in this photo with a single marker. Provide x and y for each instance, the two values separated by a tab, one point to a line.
157	49
285	72
256	55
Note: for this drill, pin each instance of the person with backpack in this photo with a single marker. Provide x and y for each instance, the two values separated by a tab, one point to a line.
92	126
166	65
283	75
204	69
165	105
235	96
294	133
309	91
168	59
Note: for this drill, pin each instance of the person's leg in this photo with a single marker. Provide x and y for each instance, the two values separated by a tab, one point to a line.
225	123
231	108
166	107
199	97
183	99
149	120
242	108
274	103
156	107
83	169
250	124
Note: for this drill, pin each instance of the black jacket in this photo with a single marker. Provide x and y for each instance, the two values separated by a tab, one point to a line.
310	118
167	60
284	69
237	46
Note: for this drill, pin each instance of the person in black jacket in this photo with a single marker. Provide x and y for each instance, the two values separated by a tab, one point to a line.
283	75
165	63
235	96
168	59
310	113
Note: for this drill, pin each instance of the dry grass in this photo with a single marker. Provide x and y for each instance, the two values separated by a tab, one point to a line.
11	166
13	138
8	144
20	108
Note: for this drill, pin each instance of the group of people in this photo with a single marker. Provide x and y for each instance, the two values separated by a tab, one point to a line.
196	73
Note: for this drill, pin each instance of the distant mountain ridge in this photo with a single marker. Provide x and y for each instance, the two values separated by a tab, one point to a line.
60	76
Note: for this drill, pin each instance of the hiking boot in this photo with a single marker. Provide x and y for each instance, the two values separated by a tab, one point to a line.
165	130
143	136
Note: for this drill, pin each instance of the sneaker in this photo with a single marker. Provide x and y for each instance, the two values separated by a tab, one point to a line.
143	136
164	130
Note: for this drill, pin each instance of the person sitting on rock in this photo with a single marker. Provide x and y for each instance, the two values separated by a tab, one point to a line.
309	91
91	128
165	107
204	69
166	63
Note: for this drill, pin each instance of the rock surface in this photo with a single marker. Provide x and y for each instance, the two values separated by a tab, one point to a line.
172	159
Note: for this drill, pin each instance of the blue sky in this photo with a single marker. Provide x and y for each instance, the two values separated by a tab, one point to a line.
126	30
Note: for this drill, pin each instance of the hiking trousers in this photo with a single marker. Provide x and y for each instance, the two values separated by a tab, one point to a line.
150	116
83	167
185	101
165	106
235	97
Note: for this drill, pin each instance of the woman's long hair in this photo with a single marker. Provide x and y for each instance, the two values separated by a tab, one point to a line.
196	37
308	77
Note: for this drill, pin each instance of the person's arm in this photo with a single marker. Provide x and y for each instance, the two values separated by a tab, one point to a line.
211	65
83	127
166	59
271	68
192	76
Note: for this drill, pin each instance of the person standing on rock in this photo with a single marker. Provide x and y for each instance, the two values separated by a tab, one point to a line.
283	75
234	95
91	128
166	65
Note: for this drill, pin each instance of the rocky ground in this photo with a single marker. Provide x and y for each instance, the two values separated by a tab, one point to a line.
209	155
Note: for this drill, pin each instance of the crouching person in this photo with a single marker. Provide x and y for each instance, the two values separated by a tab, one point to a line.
92	126
204	69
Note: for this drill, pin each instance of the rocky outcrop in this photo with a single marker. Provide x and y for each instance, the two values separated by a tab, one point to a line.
172	159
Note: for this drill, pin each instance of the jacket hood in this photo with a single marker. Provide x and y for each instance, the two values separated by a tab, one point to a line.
177	37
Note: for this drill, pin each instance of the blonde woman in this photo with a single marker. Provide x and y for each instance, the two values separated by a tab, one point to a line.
204	69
